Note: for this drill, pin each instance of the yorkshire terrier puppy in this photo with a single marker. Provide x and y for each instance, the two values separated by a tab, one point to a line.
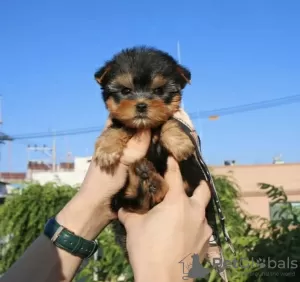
142	88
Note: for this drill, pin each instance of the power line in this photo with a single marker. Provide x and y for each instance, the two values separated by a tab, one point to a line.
4	137
194	115
247	107
76	131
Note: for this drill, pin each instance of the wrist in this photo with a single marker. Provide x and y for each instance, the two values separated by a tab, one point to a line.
89	212
83	217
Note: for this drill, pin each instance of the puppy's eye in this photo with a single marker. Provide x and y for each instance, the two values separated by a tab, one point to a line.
158	91
126	91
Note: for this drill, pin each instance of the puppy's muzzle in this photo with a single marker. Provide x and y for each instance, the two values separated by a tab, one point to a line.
141	108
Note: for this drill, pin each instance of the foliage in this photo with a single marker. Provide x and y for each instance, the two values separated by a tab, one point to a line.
23	216
279	241
275	242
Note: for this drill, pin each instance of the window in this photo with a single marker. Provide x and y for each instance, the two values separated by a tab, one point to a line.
285	211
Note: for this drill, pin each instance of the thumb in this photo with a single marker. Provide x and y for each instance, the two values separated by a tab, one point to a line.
202	194
127	218
136	148
173	178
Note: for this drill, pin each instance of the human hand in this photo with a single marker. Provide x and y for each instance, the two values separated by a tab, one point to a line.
89	211
176	227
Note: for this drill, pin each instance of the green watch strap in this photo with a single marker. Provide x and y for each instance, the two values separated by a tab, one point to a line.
67	240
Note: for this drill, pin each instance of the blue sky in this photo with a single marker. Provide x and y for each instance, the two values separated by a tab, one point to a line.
238	51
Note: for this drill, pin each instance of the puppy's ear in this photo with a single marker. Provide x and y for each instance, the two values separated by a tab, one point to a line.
101	74
184	76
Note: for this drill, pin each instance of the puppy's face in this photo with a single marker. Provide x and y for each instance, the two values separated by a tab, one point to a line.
141	86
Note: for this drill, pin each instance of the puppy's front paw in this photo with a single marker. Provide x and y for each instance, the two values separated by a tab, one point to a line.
176	141
107	155
109	147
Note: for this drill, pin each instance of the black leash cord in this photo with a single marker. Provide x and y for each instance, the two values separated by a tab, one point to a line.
211	184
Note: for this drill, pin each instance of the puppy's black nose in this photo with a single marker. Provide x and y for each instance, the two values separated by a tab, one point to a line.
141	107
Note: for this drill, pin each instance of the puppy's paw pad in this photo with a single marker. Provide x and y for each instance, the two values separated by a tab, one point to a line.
143	169
152	187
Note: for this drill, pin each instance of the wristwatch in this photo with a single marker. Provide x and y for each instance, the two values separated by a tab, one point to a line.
68	240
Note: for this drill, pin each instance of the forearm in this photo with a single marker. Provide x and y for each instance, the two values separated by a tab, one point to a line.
88	213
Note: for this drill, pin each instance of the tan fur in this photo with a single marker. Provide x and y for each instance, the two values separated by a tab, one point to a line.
132	188
109	147
174	106
125	80
158	111
158	81
176	141
124	111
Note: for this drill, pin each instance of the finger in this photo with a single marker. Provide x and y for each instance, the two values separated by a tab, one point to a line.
202	194
136	147
173	177
127	218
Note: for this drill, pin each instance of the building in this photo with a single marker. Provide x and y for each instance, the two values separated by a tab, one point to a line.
65	173
13	177
253	199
